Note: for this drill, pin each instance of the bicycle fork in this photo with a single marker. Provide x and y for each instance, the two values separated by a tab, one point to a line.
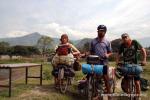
132	92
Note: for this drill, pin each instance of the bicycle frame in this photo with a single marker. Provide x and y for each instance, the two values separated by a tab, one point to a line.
131	87
93	89
131	84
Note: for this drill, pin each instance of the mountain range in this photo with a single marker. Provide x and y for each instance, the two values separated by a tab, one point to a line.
27	40
31	40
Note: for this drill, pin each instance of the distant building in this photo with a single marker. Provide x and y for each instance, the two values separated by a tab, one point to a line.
7	57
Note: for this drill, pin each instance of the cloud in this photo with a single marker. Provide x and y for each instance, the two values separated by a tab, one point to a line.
17	33
77	18
55	30
126	16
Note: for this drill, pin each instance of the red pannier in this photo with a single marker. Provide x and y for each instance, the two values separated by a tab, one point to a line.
63	50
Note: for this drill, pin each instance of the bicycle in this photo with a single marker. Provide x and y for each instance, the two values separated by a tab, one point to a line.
95	82
95	87
130	71
64	74
64	78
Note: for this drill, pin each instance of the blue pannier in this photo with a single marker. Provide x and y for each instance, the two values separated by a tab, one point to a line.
97	69
131	69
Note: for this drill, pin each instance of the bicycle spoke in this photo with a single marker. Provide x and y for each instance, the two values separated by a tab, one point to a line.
63	82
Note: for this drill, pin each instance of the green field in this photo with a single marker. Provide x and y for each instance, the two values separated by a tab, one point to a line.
33	91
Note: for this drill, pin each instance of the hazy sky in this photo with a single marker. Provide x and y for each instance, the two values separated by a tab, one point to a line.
77	18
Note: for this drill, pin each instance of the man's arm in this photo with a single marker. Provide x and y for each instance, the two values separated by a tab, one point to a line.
109	54
109	50
143	51
144	56
118	56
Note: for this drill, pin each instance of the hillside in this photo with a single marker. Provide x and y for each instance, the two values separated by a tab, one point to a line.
82	42
31	40
145	42
27	40
85	43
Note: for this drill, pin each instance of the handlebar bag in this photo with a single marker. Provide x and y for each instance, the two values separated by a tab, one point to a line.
93	59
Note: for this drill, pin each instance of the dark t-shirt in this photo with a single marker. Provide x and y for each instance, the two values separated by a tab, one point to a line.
130	53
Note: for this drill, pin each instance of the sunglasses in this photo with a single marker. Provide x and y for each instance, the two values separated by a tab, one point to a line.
100	31
124	37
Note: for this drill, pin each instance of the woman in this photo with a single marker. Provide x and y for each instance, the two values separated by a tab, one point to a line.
65	53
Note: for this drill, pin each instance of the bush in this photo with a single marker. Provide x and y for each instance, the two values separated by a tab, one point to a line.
47	75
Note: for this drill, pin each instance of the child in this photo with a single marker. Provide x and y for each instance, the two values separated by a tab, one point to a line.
64	54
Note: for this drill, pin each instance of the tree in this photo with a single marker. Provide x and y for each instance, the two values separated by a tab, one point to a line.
10	51
116	44
86	47
3	48
23	50
44	43
33	50
20	50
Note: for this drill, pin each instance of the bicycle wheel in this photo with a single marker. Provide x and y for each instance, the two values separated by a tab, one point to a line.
112	85
90	88
123	85
63	81
100	89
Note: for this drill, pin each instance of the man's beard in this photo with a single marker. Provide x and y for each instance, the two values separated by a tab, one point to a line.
128	43
101	35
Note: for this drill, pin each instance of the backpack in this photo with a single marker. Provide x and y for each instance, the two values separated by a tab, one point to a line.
77	65
63	50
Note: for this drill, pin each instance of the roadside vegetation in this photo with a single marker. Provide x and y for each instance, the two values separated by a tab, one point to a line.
33	91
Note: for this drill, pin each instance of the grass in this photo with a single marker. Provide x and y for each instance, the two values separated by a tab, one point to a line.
33	91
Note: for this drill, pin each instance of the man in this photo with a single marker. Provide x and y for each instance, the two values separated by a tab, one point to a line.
129	48
101	47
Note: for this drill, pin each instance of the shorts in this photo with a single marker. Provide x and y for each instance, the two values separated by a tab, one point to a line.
136	78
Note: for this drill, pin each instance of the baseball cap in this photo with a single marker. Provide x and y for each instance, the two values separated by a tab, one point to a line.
102	28
124	35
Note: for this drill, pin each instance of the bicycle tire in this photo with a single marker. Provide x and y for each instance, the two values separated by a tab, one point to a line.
100	88
123	85
112	86
63	81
